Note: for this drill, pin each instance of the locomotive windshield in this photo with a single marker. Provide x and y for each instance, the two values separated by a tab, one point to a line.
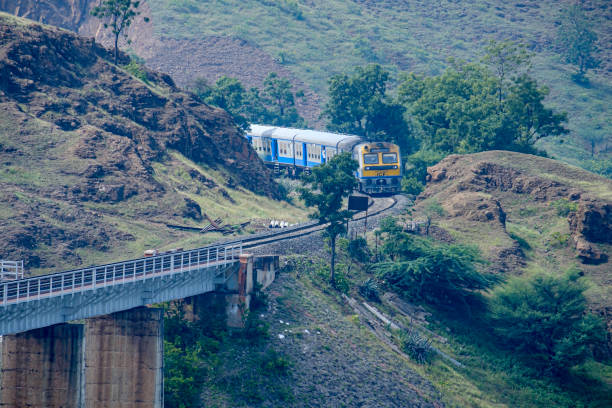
389	158
370	158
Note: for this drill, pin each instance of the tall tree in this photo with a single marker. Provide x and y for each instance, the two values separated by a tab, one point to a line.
279	97
359	104
329	184
119	15
460	110
506	59
577	41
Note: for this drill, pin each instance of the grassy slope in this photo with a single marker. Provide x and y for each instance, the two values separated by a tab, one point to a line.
336	360
319	38
173	174
536	225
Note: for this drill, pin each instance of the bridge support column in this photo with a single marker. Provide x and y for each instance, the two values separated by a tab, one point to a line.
124	363
42	368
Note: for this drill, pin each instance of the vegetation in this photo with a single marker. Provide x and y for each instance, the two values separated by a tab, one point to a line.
359	104
320	38
439	274
331	183
470	109
577	40
545	318
274	105
119	15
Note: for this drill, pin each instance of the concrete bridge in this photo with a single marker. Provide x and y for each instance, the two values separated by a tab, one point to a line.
86	338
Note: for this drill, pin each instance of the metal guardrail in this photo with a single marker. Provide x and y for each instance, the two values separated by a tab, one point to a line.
11	270
80	280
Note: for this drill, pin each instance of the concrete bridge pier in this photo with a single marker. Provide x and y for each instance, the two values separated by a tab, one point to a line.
43	367
234	295
113	360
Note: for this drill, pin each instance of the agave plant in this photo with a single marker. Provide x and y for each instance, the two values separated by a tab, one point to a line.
419	348
369	290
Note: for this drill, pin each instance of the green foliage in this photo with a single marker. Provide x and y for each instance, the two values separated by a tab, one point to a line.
577	41
559	239
119	15
254	330
419	348
329	184
564	206
369	289
275	364
602	167
274	105
545	318
410	185
186	345
359	105
468	109
417	163
358	249
280	101
136	70
439	274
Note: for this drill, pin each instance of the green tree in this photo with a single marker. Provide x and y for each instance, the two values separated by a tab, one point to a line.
119	15
278	96
359	105
577	41
506	59
460	111
440	274
545	317
329	185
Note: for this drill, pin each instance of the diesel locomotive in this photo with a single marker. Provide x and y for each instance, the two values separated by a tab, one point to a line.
380	169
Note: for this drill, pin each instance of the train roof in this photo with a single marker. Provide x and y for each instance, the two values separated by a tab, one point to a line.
304	135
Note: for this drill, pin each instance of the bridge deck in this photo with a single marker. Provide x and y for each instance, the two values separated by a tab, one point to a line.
40	301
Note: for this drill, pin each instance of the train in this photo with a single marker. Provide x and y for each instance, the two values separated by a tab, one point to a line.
297	150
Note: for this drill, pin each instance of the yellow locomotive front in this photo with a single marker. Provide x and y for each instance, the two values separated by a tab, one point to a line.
380	169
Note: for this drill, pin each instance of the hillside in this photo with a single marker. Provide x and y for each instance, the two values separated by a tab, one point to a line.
97	158
526	214
308	41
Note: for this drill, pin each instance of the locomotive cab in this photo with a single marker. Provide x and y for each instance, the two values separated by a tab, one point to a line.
379	167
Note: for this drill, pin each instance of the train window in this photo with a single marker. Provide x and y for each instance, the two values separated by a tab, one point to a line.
389	157
370	158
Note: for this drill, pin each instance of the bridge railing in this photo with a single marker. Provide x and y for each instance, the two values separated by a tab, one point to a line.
91	278
11	270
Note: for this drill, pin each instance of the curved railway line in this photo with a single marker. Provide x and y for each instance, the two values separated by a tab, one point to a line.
379	205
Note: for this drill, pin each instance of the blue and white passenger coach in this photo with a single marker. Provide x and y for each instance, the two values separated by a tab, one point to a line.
301	149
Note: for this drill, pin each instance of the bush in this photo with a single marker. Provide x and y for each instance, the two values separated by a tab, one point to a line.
358	250
369	290
410	185
416	346
564	207
440	274
545	318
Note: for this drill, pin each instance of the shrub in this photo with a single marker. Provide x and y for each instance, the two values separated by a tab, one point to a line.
136	70
358	249
369	290
416	346
564	207
545	317
410	185
440	274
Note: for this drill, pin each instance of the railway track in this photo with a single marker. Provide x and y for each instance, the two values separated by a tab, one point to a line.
378	206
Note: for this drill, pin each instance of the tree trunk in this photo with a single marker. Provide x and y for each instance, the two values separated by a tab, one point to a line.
332	245
116	47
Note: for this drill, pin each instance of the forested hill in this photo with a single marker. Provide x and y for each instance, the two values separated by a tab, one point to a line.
309	41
